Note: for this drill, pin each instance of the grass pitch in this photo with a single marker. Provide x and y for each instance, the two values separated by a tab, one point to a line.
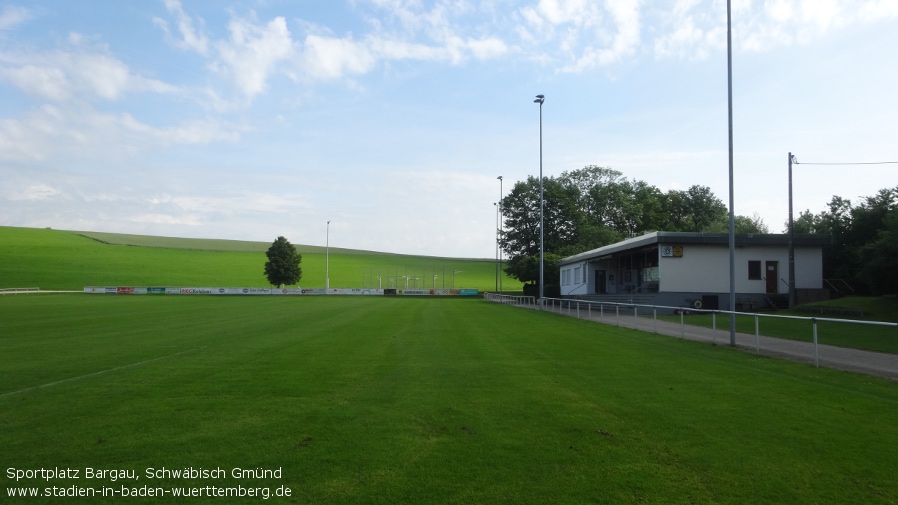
385	400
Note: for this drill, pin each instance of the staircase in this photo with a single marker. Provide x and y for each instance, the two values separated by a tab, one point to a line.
778	302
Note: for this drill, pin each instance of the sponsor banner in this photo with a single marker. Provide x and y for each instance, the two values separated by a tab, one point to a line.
432	292
130	290
197	291
257	291
355	291
416	292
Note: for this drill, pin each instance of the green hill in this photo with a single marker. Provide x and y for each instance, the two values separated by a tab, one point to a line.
70	260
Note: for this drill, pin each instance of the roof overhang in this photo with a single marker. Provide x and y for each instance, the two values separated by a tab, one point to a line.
680	238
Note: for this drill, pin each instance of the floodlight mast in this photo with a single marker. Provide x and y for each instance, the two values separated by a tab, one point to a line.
327	250
499	239
540	99
732	230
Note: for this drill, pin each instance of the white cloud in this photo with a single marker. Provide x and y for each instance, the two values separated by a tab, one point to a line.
191	39
876	10
36	192
332	58
12	16
626	40
696	28
587	34
80	132
252	52
75	73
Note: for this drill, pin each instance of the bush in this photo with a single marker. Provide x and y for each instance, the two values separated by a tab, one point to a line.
551	290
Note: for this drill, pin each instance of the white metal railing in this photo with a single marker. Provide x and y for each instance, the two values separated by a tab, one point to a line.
6	291
579	308
510	299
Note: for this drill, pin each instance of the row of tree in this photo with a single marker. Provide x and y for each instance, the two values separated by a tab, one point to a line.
596	206
864	251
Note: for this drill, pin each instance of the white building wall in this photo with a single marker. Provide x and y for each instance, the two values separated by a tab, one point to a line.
809	268
706	268
575	279
700	269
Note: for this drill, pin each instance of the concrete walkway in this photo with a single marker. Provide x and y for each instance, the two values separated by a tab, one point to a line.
841	358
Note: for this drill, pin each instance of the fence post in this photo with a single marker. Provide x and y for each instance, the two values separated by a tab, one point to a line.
757	336
816	352
578	309
655	316
589	310
617	314
682	325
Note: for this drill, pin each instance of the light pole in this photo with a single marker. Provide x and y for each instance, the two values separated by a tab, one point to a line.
497	246
327	251
540	99
498	241
732	231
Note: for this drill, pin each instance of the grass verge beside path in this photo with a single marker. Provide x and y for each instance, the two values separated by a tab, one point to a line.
385	400
856	336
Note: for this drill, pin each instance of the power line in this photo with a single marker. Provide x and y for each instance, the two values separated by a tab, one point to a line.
849	163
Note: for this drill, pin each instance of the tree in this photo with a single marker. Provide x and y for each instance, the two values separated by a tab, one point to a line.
878	258
742	225
283	262
864	241
593	207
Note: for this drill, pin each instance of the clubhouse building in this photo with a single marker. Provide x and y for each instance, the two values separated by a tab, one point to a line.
679	269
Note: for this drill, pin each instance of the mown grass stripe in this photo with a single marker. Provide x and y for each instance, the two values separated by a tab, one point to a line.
101	372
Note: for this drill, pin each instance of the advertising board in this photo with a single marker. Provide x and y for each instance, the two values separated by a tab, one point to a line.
169	290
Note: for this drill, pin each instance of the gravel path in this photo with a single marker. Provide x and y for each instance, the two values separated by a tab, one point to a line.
841	358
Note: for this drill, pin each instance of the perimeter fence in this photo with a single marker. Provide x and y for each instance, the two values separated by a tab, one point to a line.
15	291
805	347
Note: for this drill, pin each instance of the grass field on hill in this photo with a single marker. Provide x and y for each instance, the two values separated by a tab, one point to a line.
386	400
54	259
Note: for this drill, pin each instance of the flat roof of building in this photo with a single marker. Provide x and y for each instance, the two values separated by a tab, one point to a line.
678	238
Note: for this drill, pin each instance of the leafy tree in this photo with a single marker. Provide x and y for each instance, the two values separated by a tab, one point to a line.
520	208
863	240
283	262
806	222
878	257
742	224
592	207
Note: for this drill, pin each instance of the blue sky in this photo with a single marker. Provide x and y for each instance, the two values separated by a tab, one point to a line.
393	118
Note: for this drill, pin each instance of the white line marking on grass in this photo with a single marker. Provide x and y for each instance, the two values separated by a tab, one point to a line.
100	372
